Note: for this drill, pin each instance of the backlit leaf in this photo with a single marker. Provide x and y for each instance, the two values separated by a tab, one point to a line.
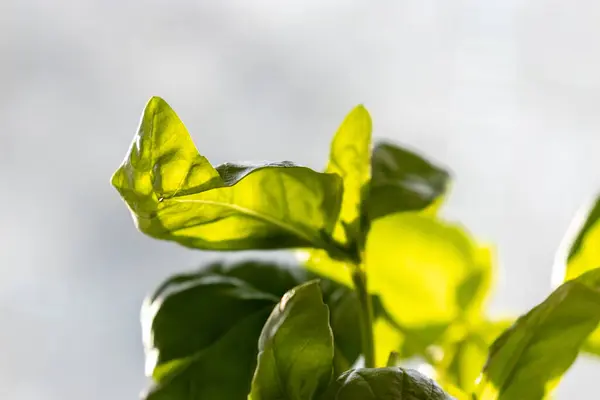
175	194
427	272
580	252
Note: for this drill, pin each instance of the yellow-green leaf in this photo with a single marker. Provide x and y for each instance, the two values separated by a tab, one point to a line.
528	360
175	194
427	272
350	158
580	252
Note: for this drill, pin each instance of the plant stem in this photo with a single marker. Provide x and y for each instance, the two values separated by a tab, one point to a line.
366	316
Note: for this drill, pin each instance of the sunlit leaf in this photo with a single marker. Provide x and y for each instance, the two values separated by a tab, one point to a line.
350	158
427	272
296	348
175	194
464	359
403	181
528	360
580	252
391	383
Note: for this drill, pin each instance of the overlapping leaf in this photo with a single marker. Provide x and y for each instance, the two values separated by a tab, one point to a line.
296	348
175	194
403	181
528	360
200	336
580	252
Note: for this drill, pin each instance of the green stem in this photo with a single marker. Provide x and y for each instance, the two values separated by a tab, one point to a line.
366	317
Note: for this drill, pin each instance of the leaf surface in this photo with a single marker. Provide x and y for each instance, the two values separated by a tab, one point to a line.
427	272
175	194
528	360
295	348
402	180
391	383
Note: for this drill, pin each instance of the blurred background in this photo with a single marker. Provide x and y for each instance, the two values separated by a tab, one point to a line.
504	93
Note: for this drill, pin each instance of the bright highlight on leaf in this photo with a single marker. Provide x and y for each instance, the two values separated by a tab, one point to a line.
175	194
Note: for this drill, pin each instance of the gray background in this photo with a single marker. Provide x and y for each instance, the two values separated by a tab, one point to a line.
503	92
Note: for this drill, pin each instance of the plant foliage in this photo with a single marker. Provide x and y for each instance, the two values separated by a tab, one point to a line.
382	281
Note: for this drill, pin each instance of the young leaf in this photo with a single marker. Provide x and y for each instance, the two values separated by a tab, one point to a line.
175	194
391	383
296	348
427	272
200	336
350	158
528	360
402	181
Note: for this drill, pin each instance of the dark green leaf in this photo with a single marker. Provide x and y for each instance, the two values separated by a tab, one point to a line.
392	383
222	371
401	180
277	279
296	348
175	194
528	360
200	334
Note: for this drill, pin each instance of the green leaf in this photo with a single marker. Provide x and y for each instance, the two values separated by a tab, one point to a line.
350	158
580	252
277	279
296	348
403	181
200	335
464	359
427	272
222	371
580	249
392	383
528	360
175	194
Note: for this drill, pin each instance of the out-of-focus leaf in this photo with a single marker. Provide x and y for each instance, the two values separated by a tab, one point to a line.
464	359
319	262
175	194
295	348
350	158
580	252
391	383
401	180
528	360
427	272
200	335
